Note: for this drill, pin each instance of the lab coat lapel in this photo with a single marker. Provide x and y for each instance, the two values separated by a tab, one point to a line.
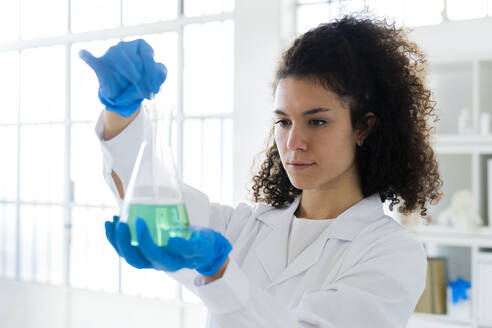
271	251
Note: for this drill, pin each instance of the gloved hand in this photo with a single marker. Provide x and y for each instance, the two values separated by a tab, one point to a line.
205	251
127	74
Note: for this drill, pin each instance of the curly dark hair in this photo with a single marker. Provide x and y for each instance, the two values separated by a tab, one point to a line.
371	63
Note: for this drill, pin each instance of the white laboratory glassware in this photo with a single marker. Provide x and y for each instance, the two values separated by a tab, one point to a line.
154	190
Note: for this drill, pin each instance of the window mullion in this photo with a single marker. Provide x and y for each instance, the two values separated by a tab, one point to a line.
17	228
68	197
179	126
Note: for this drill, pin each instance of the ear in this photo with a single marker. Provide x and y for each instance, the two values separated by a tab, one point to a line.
367	125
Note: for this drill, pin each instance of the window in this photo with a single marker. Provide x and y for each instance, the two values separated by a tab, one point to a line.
411	13
53	198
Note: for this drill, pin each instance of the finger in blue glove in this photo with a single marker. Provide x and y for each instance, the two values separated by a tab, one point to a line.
130	253
206	250
160	258
127	74
110	233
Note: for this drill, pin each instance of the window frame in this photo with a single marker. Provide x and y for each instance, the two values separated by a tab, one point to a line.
176	25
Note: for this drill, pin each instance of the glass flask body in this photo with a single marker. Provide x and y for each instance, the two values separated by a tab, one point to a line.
154	191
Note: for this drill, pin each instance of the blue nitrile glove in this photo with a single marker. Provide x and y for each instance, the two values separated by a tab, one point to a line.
206	250
130	253
127	74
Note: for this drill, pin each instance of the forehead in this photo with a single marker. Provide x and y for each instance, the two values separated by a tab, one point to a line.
300	94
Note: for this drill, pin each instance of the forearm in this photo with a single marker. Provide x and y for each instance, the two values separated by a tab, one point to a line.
218	274
115	123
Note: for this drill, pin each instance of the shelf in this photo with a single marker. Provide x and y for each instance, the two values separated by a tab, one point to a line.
452	237
439	318
462	144
484	323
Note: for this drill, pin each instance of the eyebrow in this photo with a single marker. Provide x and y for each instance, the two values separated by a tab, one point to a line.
309	112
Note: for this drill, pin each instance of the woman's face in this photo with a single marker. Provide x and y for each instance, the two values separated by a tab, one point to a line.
314	135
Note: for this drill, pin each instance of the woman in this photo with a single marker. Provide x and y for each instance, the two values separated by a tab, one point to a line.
316	250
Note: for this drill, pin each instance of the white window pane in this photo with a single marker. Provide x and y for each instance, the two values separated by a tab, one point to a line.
9	20
208	68
228	5
193	7
8	222
176	148
195	316
212	144
89	186
9	84
43	84
393	10
301	2
346	7
148	11
42	163
84	103
423	12
43	18
165	47
88	15
26	251
147	283
459	9
189	297
310	16
41	239
93	261
207	7
211	7
489	6
192	153
8	167
227	163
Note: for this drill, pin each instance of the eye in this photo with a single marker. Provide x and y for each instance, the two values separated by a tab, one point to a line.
282	123
317	123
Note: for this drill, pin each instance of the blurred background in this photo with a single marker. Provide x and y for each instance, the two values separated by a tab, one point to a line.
56	267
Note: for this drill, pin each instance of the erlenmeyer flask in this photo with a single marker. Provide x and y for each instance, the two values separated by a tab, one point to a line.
154	193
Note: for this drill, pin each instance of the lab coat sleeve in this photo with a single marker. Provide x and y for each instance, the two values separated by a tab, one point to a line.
120	152
379	290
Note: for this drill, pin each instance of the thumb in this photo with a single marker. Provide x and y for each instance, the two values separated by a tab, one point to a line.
89	59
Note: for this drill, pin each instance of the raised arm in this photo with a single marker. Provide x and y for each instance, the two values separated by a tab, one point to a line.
127	75
113	125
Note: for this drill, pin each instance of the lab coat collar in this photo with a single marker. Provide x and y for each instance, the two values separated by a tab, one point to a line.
345	227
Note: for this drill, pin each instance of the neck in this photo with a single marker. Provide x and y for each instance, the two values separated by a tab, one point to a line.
330	201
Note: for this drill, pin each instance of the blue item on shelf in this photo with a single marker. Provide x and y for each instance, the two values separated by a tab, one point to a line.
458	289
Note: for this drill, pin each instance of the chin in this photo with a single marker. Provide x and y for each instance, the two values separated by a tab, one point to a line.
302	185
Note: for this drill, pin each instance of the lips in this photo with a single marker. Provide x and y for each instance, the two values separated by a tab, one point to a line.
299	165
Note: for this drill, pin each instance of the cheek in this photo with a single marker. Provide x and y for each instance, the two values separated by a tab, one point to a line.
279	140
338	147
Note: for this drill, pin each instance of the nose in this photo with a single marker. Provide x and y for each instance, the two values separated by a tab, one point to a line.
297	139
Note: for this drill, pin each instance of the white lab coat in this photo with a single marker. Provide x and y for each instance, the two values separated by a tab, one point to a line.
364	270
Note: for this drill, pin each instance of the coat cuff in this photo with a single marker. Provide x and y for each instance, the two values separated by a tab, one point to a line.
227	294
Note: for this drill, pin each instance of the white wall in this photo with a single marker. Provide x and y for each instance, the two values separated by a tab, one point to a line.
262	29
456	40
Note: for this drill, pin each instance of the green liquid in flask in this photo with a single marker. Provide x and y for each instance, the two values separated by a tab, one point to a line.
163	221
